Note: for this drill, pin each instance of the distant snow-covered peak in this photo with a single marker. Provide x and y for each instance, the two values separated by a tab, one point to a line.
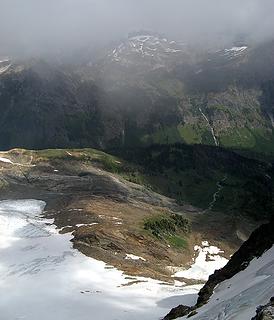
140	47
236	49
234	52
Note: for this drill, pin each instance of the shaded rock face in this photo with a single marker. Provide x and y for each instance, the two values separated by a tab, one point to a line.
42	106
265	312
177	312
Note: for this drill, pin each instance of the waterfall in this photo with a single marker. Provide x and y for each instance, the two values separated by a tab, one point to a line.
211	128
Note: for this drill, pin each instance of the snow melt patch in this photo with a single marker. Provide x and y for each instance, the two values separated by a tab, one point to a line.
238	297
133	257
236	49
86	224
207	261
6	160
43	277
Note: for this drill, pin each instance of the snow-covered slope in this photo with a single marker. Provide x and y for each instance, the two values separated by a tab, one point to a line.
233	52
4	65
43	277
238	297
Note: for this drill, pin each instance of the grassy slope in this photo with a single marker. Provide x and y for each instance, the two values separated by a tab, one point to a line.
236	114
190	175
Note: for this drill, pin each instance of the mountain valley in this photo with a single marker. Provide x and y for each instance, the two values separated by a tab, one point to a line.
152	162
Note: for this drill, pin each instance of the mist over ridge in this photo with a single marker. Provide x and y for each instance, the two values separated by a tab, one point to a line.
36	27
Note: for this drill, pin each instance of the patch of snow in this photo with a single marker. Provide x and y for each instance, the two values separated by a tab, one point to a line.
140	38
236	49
207	261
68	226
5	67
169	50
5	160
155	43
133	257
199	71
43	277
205	244
86	224
238	297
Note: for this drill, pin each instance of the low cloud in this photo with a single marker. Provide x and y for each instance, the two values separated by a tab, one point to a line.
41	26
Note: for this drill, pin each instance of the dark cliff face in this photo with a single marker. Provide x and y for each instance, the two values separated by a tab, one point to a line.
42	106
260	241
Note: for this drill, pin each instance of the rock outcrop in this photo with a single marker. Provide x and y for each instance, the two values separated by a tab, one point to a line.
265	312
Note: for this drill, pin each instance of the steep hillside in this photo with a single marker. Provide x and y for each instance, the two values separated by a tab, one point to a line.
218	97
157	206
179	94
206	177
42	105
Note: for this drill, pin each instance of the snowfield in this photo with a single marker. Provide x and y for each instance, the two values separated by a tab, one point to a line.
43	277
238	297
